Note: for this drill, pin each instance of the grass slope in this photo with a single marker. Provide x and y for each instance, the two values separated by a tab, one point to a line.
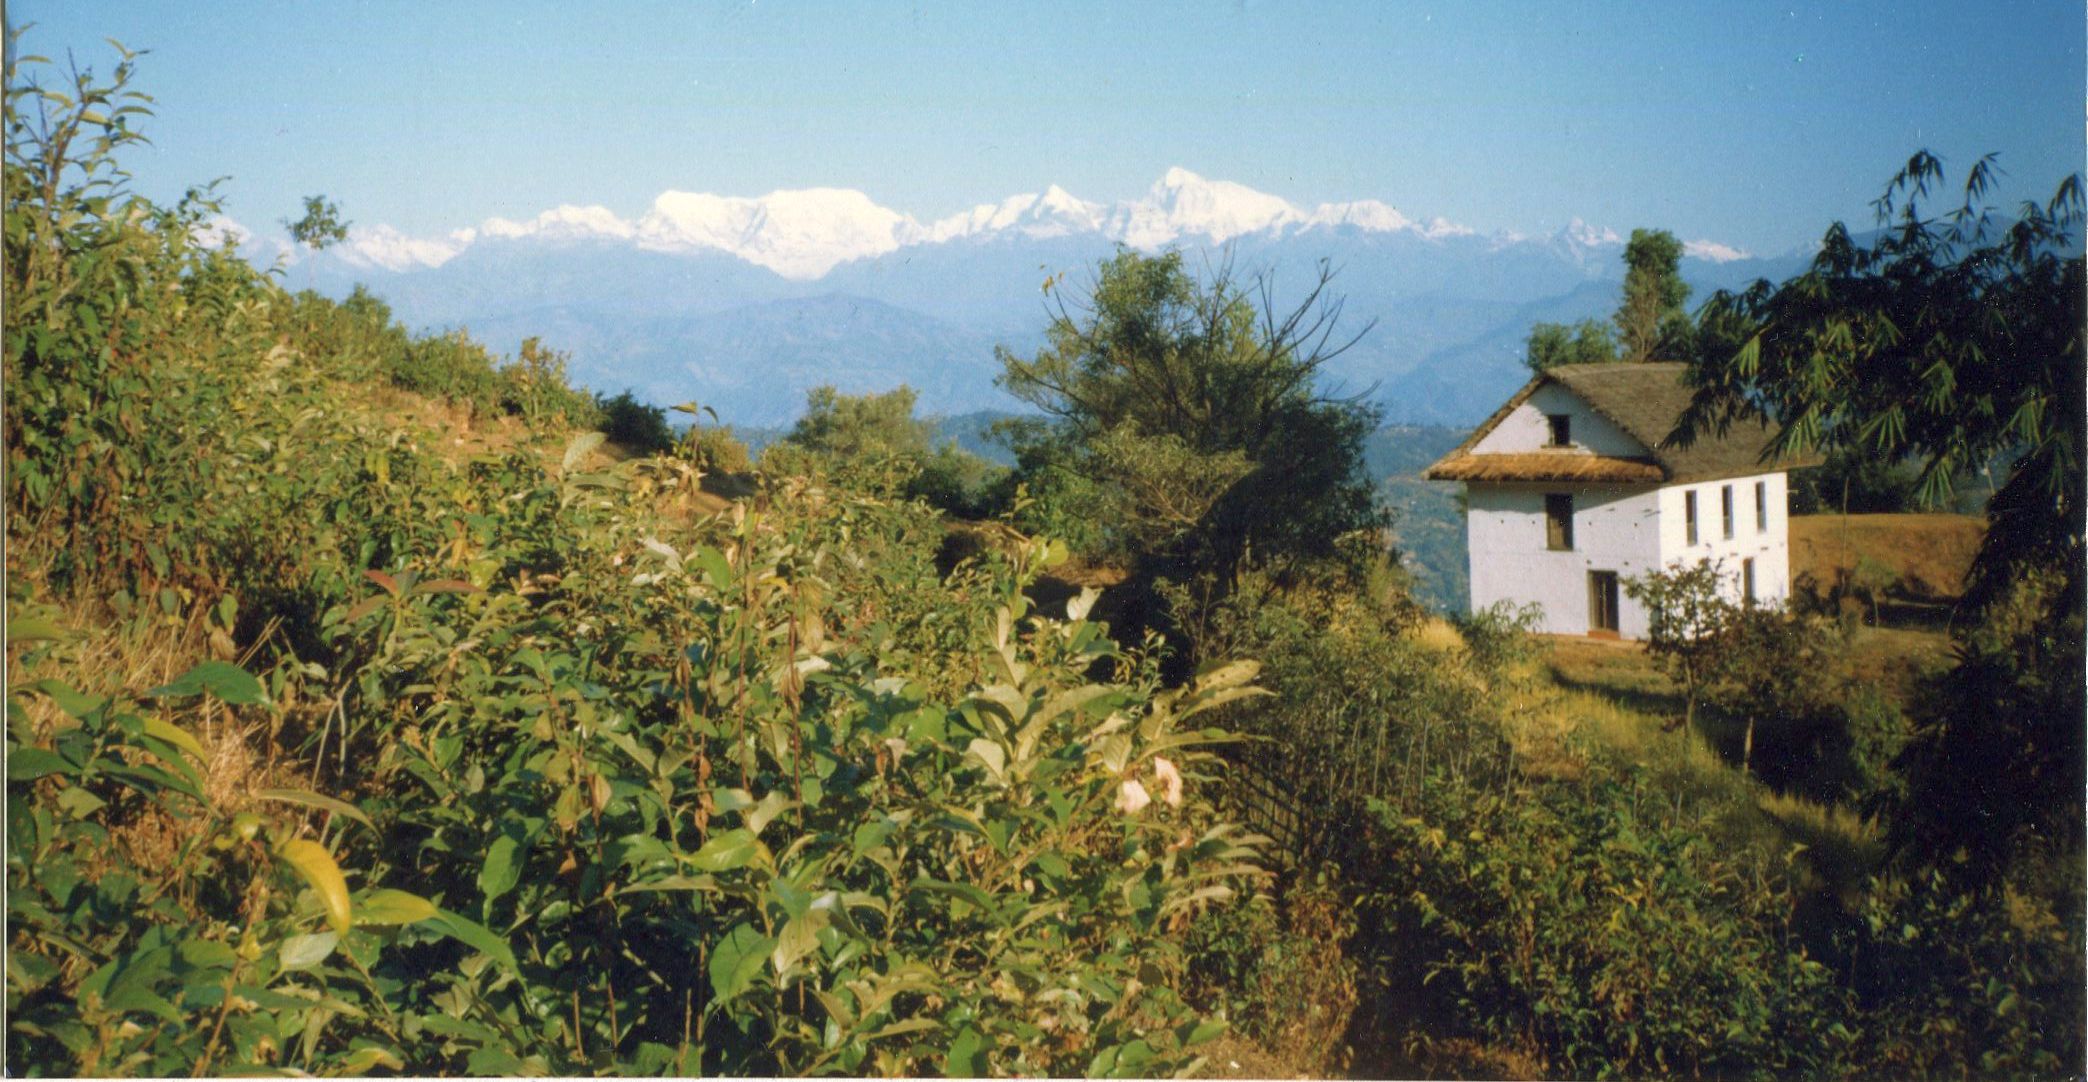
1928	554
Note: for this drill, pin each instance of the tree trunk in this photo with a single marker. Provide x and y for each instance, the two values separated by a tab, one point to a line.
1747	746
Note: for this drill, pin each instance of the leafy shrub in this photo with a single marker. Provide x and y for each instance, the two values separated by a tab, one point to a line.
957	482
635	425
1563	922
1283	974
716	449
1982	985
244	947
759	793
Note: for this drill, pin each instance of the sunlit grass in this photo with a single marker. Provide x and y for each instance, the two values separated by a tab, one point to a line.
1581	701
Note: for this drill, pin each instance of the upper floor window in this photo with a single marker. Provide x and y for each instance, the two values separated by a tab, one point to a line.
1689	518
1561	429
1761	507
1558	521
1725	502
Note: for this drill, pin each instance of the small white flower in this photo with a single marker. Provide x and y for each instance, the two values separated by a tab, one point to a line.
1131	796
1170	781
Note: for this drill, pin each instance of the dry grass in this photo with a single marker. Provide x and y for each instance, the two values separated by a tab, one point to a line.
105	654
1928	554
1438	636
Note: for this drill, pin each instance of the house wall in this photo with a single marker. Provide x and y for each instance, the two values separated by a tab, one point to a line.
1525	427
1626	529
1615	528
1768	543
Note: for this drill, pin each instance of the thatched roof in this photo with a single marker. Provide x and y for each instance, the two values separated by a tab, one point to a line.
1645	400
1547	466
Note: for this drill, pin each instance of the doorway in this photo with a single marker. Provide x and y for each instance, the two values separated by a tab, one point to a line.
1602	603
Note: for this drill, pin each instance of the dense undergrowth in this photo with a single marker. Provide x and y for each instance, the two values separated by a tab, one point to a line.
335	745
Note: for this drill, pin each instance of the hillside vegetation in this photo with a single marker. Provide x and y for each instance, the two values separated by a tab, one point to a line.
1923	557
370	712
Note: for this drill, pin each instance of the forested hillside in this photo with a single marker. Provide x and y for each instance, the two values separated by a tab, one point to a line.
370	710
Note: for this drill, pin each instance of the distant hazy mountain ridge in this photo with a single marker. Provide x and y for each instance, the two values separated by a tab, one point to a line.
745	302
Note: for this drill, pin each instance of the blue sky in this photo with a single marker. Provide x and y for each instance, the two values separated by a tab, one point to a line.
1749	124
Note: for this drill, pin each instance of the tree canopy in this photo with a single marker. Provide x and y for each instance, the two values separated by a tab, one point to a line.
1949	341
1195	405
1650	321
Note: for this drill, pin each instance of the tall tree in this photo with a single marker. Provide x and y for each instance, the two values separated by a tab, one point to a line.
1195	405
1949	341
1650	321
321	225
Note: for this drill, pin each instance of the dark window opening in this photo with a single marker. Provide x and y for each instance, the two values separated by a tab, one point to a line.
1561	429
1689	515
1558	521
1725	502
1747	587
1761	507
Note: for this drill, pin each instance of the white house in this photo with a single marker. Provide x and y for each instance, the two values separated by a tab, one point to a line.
1568	491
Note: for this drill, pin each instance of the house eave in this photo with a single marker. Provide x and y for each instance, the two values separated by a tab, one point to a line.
1545	466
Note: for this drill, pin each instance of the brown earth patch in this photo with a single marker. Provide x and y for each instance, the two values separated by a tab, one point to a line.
1927	554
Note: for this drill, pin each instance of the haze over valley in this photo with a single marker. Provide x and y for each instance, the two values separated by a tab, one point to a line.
745	303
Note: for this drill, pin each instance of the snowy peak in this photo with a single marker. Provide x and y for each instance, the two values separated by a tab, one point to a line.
1183	204
802	234
799	234
566	222
1056	213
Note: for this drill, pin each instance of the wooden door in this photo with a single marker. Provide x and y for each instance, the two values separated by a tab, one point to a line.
1602	603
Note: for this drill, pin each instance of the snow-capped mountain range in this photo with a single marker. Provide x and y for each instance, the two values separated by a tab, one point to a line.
802	234
744	303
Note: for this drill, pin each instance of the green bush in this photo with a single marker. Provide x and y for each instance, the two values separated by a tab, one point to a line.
1564	923
716	449
635	425
593	790
1282	972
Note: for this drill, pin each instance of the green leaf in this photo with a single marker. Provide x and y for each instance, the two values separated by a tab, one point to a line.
79	803
501	870
765	812
306	951
73	702
736	960
990	755
318	868
29	764
799	938
314	800
476	936
230	683
967	1055
175	735
727	851
25	628
393	907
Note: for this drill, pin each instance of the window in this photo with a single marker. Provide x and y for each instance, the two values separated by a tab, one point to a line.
1558	521
1689	515
1747	579
1725	504
1561	429
1761	507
